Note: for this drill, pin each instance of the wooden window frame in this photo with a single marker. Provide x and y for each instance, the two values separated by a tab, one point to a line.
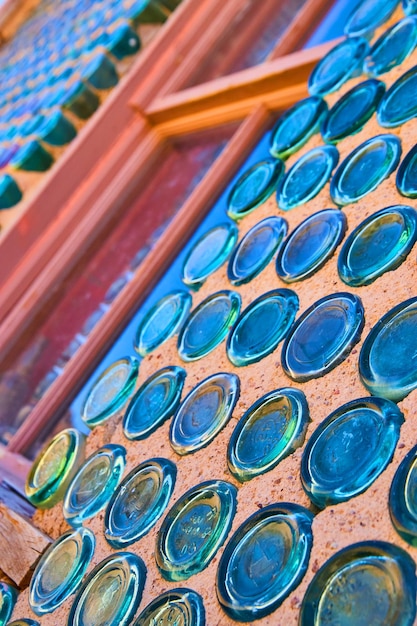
150	109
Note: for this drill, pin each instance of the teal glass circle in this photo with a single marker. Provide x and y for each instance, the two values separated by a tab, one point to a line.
208	324
209	253
54	467
60	570
177	606
399	103
373	582
204	413
365	168
350	114
295	127
307	177
154	402
406	179
310	245
368	16
8	597
194	529
111	593
23	622
403	500
387	366
110	391
254	187
392	48
94	484
341	63
270	430
350	449
139	502
261	327
162	321
264	561
378	245
409	7
256	249
323	336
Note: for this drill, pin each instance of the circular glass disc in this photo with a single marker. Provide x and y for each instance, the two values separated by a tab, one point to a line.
392	48
254	187
399	103
204	413
8	597
323	336
409	7
368	16
179	607
403	498
342	62
406	180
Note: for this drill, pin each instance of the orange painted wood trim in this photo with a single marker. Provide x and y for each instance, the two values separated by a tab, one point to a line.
60	394
276	84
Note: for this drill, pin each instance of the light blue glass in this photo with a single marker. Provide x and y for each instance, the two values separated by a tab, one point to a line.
409	7
208	324
406	180
110	391
387	366
307	177
94	484
162	321
369	16
256	249
295	127
139	502
23	622
378	245
154	402
392	48
365	168
373	582
350	449
350	114
311	245
323	336
254	187
261	326
403	500
8	597
264	561
399	103
111	593
194	529
204	412
270	430
209	253
342	62
60	570
176	607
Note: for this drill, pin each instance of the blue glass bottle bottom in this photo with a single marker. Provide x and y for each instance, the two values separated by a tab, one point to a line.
342	62
177	606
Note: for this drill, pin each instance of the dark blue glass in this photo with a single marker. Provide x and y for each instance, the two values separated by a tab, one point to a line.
406	180
307	177
373	582
378	245
369	16
403	498
342	62
270	430
399	103
8	597
392	48
194	529
204	412
311	245
100	73
10	193
350	449
254	187
261	326
139	502
365	168
350	114
323	336
154	402
208	324
387	363
256	249
181	607
295	127
264	561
